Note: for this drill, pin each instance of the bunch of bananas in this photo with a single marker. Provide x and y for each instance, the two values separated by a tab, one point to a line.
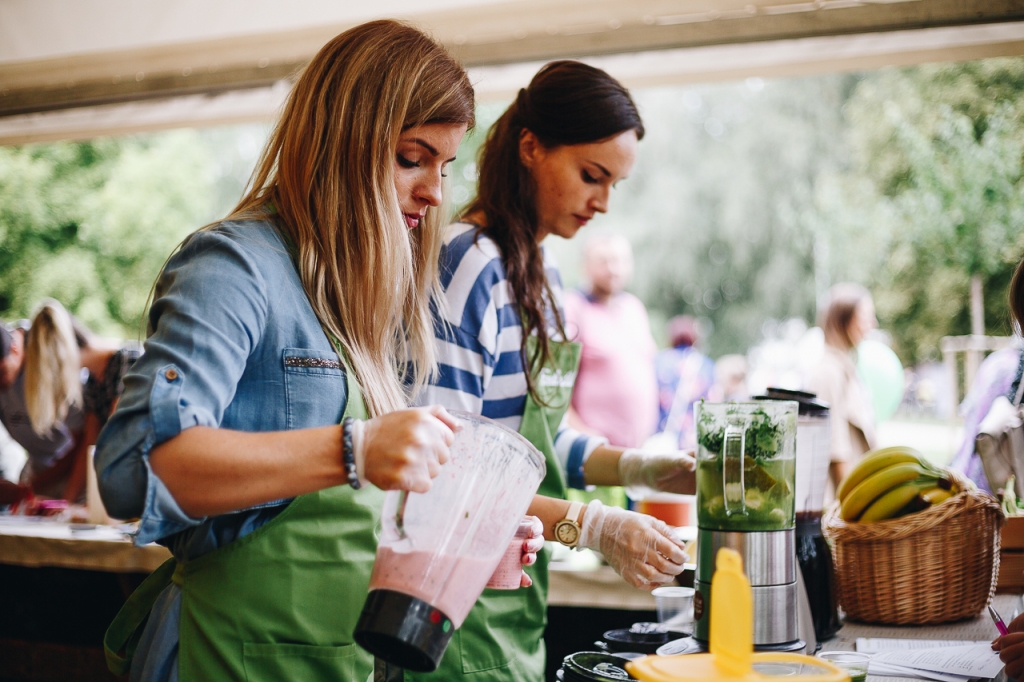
892	482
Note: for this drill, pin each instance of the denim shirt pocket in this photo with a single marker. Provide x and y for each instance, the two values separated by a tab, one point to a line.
314	385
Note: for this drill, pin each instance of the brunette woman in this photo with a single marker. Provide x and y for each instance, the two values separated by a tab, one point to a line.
847	318
547	167
266	331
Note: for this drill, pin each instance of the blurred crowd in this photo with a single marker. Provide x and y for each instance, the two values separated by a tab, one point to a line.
654	391
59	383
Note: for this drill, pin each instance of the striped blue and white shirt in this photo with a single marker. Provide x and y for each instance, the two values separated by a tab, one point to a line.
480	366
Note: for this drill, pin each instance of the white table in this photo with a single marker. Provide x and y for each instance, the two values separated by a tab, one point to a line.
38	541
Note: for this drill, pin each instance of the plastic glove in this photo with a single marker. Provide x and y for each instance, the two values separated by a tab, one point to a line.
642	549
643	472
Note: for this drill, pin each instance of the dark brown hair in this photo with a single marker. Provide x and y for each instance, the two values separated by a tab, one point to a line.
843	300
566	103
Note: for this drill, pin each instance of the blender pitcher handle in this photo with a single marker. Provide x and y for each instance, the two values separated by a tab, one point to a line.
403	497
733	454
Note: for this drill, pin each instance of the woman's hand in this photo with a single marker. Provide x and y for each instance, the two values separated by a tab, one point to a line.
403	450
643	472
533	544
1011	648
642	549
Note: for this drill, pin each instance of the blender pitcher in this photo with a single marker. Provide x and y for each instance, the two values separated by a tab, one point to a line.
438	549
813	454
746	480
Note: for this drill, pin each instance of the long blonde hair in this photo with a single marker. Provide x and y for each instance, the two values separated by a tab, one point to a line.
52	367
328	173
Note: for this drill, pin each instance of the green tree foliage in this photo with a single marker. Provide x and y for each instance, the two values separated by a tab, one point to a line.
91	223
937	154
720	207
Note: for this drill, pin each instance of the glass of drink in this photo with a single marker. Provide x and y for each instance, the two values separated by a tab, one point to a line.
850	661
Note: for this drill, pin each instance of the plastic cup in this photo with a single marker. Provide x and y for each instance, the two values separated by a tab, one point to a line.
675	606
853	663
508	575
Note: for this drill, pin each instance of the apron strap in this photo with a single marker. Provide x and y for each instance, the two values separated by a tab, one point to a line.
126	629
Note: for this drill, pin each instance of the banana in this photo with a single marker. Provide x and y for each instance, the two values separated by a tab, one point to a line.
876	461
934	496
877	484
890	504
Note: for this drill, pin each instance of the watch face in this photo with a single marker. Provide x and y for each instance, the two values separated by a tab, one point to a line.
567	532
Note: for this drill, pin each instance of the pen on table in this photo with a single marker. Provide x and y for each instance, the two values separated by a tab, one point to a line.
1000	625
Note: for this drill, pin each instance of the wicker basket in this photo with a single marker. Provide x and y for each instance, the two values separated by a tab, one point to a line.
935	566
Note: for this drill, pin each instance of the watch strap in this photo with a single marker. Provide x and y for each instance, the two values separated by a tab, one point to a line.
573	513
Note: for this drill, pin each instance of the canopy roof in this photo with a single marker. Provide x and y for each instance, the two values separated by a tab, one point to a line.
96	67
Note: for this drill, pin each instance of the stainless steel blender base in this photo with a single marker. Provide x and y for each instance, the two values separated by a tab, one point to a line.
769	561
769	557
775	614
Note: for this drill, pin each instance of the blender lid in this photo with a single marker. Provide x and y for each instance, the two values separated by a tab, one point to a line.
641	637
587	666
809	404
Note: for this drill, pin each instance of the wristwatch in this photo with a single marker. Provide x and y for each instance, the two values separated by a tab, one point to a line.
567	531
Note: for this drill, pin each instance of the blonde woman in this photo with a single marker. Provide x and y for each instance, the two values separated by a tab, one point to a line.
56	351
268	329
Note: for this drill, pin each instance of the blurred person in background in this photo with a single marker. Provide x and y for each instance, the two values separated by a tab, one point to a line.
684	375
730	379
53	451
69	369
998	374
616	392
846	319
11	352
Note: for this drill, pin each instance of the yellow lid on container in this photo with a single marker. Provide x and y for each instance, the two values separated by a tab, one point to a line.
732	657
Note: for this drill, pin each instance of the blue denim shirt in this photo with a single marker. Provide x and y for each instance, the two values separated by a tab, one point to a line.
234	344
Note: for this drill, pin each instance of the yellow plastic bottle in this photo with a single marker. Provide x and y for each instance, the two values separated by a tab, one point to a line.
732	657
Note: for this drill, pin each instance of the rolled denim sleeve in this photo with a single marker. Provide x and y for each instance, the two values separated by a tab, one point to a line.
209	309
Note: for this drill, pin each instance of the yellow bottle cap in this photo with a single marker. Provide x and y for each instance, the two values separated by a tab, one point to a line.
732	656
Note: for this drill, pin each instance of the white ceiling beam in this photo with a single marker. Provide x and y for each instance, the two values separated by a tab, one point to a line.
496	83
479	32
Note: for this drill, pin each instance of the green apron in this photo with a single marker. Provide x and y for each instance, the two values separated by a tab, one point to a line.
503	637
278	604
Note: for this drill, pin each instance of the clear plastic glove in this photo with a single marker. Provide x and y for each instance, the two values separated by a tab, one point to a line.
403	450
642	549
533	544
643	472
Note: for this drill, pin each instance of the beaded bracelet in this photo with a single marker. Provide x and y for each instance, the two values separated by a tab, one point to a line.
349	453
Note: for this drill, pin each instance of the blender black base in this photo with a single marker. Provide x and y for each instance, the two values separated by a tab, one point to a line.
403	630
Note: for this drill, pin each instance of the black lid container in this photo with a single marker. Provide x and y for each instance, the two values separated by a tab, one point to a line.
594	666
644	638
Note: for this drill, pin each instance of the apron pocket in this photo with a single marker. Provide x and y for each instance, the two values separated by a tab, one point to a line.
300	662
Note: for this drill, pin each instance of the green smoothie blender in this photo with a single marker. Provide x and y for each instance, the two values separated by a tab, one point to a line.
746	480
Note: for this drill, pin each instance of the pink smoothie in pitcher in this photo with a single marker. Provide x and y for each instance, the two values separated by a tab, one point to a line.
450	584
